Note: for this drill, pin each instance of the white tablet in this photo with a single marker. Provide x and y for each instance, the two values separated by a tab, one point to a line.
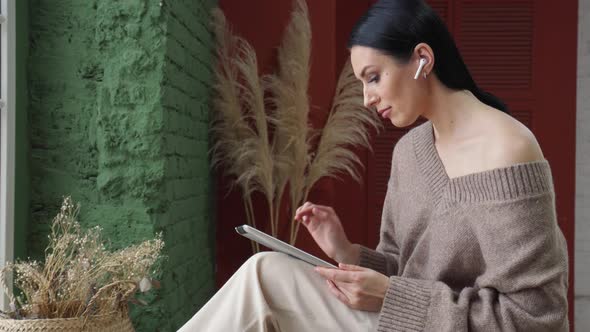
278	245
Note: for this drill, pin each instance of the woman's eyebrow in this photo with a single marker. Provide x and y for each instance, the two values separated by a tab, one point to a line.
365	69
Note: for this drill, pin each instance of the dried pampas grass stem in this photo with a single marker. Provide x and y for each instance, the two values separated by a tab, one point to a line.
244	121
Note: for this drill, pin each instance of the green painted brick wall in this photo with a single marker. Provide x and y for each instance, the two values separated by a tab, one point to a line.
185	105
118	106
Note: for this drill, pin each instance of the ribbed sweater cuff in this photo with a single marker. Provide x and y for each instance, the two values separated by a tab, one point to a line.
373	260
405	306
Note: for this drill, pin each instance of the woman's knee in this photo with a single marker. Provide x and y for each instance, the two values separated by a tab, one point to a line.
270	262
267	258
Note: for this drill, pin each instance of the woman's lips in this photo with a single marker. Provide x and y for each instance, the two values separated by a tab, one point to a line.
385	112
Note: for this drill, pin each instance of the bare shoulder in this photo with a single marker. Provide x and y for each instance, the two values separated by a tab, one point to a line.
511	142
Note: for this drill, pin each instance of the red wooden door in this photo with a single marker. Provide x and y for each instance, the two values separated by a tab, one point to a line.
524	52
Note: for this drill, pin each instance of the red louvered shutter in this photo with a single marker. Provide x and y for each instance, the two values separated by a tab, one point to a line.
496	41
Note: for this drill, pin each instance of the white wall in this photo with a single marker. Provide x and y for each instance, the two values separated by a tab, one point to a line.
582	251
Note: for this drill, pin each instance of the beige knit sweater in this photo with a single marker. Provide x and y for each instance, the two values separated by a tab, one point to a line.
481	252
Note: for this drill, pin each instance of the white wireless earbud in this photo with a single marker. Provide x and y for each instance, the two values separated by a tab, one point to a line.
420	67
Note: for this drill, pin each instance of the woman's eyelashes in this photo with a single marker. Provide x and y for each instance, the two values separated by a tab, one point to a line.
373	79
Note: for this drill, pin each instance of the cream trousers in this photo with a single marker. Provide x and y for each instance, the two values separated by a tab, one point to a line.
275	292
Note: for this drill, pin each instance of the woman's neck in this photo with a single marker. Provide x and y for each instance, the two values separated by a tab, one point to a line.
451	113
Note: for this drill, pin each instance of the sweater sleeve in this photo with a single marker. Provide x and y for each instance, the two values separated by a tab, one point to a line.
523	286
378	261
386	256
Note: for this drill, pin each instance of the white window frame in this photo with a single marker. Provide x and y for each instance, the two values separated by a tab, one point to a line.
7	137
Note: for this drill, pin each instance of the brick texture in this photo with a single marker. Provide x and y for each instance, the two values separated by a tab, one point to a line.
119	103
185	105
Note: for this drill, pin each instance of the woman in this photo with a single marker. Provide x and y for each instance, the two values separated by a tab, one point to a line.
469	238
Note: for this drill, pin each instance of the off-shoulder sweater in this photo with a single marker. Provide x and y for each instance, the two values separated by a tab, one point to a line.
480	252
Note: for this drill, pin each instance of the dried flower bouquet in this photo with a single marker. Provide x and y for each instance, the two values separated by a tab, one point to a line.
80	277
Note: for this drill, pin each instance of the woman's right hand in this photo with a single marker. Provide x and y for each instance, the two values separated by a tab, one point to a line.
326	229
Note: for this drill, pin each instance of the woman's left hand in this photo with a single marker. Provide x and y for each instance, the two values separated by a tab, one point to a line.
358	287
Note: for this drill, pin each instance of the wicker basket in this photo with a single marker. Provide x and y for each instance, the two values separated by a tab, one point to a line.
115	322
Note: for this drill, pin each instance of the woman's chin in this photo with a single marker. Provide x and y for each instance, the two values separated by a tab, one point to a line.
401	122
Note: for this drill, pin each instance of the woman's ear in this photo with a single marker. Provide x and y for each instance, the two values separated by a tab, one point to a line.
424	51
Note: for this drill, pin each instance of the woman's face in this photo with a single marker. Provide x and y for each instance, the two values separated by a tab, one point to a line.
388	86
